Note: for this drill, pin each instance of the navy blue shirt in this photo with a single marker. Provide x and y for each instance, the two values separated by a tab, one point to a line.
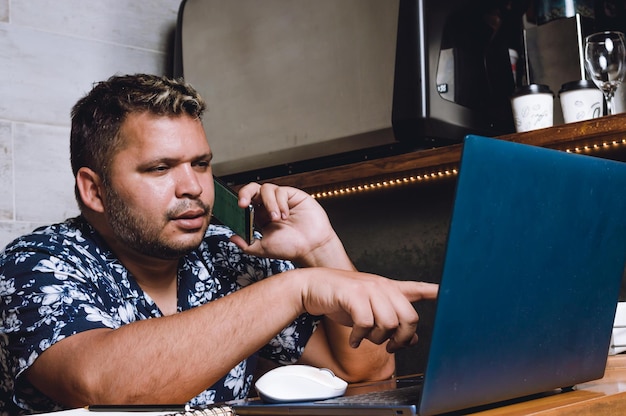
62	279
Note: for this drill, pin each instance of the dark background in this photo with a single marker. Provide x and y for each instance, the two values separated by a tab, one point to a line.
399	233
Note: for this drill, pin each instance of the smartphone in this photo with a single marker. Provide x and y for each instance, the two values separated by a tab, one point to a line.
227	212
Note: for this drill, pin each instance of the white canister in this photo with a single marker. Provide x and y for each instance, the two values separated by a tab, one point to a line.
532	107
581	100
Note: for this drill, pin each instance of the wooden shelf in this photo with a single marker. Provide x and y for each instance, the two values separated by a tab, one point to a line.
596	134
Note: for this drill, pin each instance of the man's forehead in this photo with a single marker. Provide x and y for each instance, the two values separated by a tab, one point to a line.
157	134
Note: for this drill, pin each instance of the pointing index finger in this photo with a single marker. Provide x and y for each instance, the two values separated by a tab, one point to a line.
415	291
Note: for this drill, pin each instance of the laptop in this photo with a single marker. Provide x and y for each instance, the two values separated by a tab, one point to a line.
530	283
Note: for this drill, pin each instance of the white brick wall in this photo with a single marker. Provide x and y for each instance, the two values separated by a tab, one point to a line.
51	52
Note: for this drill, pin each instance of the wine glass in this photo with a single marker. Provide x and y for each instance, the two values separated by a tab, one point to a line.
605	60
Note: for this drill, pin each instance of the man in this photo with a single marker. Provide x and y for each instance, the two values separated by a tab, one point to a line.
140	300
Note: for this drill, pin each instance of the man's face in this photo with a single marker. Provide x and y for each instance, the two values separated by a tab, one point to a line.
160	191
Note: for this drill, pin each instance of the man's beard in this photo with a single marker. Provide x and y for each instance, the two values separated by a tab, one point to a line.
143	235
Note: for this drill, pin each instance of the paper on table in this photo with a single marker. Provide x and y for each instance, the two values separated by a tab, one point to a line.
618	338
85	412
214	411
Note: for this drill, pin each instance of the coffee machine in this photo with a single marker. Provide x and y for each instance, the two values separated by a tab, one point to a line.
456	68
458	62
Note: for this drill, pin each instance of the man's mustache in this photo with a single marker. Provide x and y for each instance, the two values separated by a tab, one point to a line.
186	206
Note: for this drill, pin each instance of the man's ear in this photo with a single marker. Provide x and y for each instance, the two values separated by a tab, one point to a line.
89	186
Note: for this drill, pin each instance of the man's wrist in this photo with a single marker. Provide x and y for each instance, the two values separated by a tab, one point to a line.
331	254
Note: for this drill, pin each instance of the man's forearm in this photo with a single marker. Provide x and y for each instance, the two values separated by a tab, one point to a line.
331	255
369	361
169	359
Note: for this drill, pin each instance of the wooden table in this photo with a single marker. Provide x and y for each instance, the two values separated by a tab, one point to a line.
604	397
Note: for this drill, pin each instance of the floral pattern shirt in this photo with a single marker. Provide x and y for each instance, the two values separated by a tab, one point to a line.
62	279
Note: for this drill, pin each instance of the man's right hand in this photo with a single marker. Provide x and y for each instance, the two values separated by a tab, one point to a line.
376	308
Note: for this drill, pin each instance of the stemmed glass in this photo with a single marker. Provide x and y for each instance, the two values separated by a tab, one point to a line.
605	60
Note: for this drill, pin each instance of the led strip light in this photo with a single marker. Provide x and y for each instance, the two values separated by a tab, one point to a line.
409	179
388	183
596	146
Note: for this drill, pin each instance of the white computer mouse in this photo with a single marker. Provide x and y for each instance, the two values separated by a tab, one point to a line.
296	383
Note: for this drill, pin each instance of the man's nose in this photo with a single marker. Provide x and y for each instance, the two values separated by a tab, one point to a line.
187	182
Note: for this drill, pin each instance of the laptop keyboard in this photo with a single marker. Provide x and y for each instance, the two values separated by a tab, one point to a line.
398	396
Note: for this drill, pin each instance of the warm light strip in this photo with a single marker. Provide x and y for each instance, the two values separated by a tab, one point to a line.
410	179
380	184
596	146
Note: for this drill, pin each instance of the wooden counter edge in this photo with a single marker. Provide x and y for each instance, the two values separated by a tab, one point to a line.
606	128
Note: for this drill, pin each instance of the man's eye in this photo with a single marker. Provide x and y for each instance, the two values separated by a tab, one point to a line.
203	164
160	168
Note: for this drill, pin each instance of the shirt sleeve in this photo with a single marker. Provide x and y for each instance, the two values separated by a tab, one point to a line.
44	299
288	345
